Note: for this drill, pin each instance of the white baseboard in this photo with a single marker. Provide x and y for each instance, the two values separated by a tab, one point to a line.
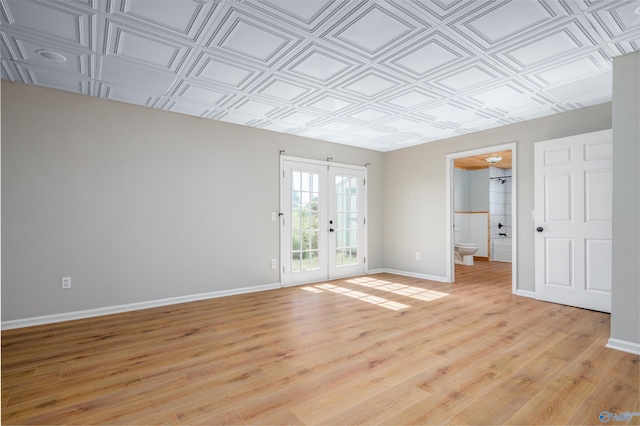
408	274
623	345
526	293
89	313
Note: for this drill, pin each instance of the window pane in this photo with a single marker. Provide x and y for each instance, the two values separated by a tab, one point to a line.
339	188
295	181
306	177
295	241
306	201
353	203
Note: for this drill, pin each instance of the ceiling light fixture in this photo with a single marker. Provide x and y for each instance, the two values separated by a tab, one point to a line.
51	55
493	159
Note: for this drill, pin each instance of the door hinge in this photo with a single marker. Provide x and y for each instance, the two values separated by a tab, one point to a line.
365	220
364	182
283	174
365	260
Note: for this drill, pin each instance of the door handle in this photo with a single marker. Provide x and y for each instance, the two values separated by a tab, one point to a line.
539	229
331	229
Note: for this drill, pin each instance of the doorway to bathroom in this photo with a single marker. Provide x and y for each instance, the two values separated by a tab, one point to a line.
481	209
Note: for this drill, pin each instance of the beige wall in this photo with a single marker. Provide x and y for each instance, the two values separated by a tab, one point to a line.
625	314
415	211
137	204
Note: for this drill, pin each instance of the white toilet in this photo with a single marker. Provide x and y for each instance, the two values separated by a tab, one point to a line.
464	251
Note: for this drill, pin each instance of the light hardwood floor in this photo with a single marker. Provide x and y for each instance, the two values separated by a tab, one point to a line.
379	349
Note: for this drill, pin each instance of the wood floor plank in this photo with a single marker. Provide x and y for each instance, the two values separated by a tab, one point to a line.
376	349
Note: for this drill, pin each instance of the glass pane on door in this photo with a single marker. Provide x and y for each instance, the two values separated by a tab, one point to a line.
346	215
305	224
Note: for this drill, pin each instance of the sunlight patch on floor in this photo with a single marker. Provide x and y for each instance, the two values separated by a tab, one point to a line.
419	293
365	297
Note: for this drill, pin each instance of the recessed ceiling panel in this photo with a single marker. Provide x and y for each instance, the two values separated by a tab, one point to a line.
146	48
404	124
319	64
429	54
250	38
553	45
587	91
255	108
410	99
330	103
206	95
617	17
388	29
574	69
122	94
497	22
184	18
443	9
253	41
370	84
444	111
56	22
497	94
220	71
369	114
136	77
76	83
297	118
186	107
284	90
308	15
468	77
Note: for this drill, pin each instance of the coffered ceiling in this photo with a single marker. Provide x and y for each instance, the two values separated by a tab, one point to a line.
377	74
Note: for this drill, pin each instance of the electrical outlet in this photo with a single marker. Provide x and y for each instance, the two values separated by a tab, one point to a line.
66	282
417	255
274	263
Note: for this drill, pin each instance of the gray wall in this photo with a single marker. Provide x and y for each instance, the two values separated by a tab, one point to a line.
137	204
471	190
415	210
479	190
625	316
461	190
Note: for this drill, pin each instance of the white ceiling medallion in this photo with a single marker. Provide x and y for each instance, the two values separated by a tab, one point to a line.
51	55
378	74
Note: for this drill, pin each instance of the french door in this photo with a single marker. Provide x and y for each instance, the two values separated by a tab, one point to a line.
323	221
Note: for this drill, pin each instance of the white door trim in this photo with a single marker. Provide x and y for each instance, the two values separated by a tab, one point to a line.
363	169
514	207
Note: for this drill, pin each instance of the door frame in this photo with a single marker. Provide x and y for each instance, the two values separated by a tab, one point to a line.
514	207
281	191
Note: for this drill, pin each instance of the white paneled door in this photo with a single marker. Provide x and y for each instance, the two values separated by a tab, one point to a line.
323	221
573	209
